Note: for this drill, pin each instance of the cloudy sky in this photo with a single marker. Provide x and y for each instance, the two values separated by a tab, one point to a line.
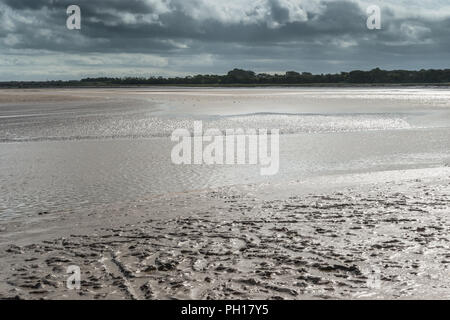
180	37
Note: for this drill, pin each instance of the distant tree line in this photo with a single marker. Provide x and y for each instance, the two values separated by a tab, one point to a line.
245	77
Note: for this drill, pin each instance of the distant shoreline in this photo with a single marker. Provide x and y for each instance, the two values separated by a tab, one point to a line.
247	78
236	85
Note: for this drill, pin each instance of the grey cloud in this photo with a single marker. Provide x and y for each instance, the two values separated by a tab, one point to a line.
267	35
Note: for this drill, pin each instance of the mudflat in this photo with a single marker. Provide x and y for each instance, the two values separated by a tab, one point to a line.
377	240
359	208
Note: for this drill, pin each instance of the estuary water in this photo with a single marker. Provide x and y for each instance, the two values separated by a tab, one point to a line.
113	145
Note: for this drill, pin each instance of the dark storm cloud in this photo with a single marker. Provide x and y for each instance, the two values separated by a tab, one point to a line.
180	36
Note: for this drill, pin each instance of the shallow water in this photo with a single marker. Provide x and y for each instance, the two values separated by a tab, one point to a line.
75	155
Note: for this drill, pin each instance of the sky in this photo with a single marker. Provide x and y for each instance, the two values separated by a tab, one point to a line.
184	37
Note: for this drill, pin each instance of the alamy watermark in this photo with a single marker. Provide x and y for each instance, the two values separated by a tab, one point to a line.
73	21
374	17
231	147
74	280
374	278
373	22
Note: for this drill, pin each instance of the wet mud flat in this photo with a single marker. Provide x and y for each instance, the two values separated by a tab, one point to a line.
388	240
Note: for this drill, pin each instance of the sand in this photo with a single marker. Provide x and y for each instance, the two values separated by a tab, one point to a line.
377	235
245	100
351	241
17	96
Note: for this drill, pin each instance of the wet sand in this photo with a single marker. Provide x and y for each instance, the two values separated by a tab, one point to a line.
245	100
379	233
351	241
13	96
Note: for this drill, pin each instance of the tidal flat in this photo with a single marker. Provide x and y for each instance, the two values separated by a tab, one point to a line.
358	210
